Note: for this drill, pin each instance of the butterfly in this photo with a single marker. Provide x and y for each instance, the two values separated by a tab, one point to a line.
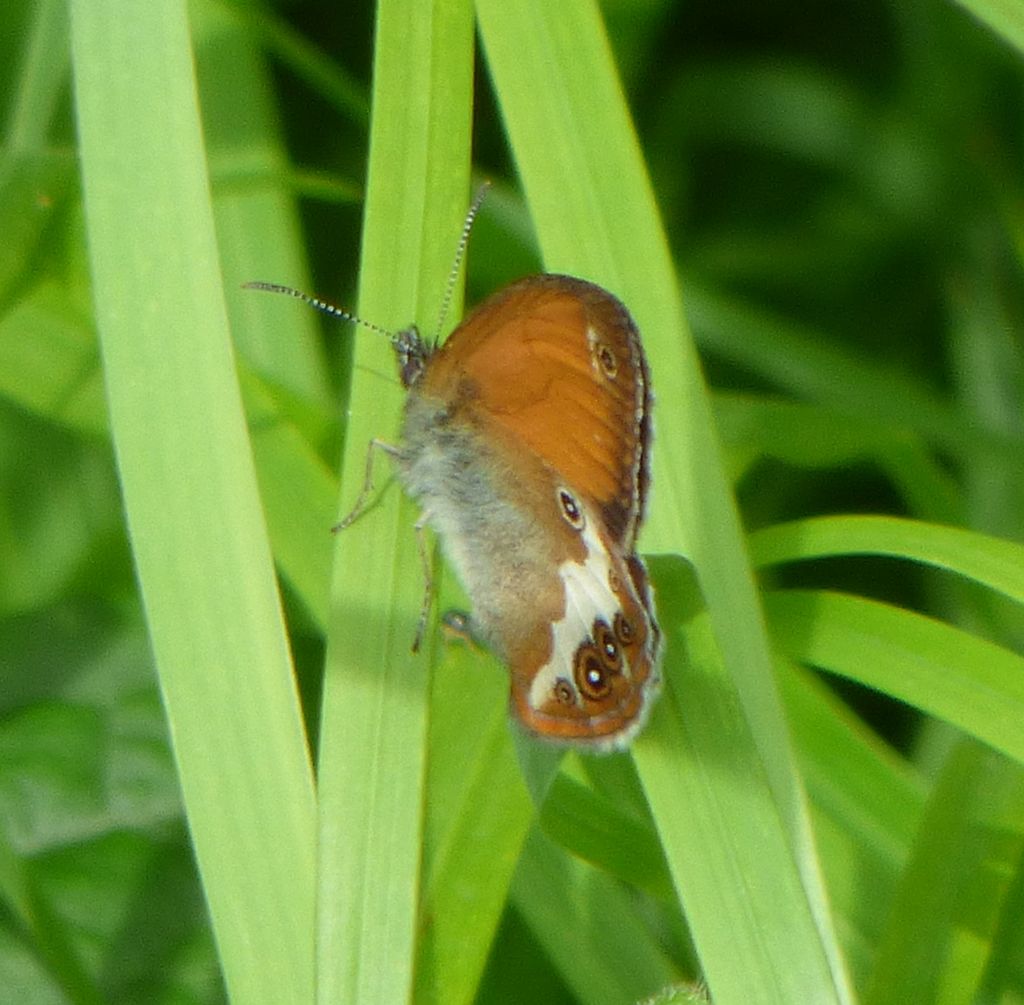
525	440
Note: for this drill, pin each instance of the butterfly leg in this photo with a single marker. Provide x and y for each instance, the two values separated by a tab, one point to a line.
428	581
362	504
362	501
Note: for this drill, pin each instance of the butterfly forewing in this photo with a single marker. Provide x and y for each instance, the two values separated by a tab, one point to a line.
555	363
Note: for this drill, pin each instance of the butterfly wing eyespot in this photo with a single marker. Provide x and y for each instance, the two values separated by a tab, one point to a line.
593	675
606	360
597	663
624	630
570	509
602	355
608	645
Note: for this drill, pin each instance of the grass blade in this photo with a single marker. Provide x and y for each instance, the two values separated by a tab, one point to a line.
190	493
951	674
993	562
373	736
940	929
593	208
1004	17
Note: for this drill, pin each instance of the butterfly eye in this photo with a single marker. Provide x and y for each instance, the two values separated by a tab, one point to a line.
571	510
412	353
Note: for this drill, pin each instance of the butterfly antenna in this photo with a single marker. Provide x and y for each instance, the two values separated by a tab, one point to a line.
322	305
460	254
